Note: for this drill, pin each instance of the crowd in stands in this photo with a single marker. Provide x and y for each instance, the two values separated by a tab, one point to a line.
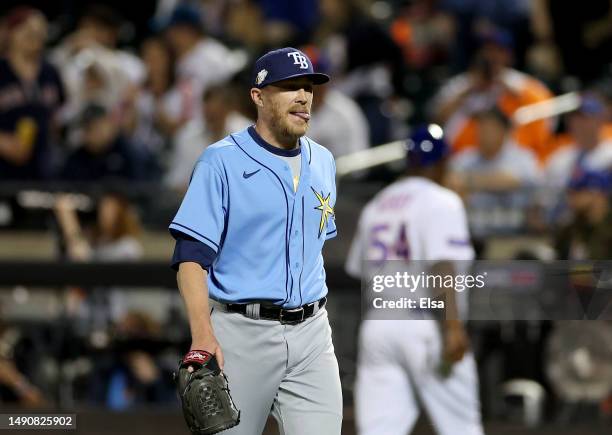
89	104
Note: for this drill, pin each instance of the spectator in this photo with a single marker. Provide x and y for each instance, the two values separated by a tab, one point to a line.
495	176
337	122
243	24
161	107
14	385
503	165
491	82
424	32
137	377
102	81
372	61
564	139
98	27
31	93
478	15
201	60
543	57
588	235
114	237
105	152
582	34
219	118
358	45
288	22
95	70
590	149
214	13
426	35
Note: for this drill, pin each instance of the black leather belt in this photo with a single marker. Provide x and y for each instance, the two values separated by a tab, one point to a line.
283	315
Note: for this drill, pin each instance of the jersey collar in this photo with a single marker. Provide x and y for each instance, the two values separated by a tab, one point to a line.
260	155
271	148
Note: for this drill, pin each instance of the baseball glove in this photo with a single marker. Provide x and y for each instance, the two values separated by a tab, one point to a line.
207	404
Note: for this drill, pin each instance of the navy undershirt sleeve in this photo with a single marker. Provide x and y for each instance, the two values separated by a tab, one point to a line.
189	249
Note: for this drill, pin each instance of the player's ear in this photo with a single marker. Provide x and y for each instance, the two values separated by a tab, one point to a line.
257	97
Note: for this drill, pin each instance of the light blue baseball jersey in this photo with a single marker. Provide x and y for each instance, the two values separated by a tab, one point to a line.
267	237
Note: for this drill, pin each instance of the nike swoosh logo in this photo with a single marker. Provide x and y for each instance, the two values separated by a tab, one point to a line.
245	175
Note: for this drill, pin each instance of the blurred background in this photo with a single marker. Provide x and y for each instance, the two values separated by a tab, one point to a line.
104	108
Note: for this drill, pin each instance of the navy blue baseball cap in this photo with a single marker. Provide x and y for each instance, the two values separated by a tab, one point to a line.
426	146
282	64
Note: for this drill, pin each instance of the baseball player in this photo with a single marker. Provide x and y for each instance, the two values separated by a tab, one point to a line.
404	363
249	235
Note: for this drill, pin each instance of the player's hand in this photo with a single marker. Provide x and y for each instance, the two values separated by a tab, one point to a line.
456	342
210	345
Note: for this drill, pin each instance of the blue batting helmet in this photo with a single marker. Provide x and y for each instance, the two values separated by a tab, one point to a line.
426	146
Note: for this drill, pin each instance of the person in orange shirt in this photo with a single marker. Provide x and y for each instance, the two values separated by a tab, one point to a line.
491	82
424	32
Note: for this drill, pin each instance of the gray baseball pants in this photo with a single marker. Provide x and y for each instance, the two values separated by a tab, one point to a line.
289	371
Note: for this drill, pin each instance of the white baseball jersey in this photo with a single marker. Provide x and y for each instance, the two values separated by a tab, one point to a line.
413	219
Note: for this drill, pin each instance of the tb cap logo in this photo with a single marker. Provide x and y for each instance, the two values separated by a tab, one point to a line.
299	59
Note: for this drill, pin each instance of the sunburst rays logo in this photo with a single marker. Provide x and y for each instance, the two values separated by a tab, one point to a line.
325	209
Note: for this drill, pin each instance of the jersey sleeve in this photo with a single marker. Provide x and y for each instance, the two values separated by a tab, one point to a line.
444	231
188	249
201	215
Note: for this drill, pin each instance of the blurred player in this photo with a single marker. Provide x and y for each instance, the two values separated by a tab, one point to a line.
406	362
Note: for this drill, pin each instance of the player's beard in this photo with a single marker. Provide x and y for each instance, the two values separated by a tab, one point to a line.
286	132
